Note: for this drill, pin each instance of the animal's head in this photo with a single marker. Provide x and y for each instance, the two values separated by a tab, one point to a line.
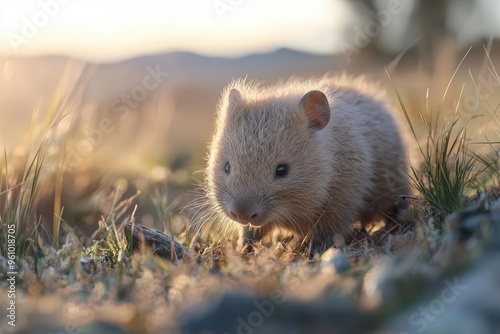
266	164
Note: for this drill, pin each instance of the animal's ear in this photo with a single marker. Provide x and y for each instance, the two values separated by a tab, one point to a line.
315	105
235	98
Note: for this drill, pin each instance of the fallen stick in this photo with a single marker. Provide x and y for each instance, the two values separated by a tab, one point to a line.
162	245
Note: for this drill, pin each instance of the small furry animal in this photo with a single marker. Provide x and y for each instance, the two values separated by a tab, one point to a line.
308	156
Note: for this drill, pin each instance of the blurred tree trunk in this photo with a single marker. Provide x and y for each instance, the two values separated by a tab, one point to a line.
429	17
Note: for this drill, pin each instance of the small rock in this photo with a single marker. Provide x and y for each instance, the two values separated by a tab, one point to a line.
335	259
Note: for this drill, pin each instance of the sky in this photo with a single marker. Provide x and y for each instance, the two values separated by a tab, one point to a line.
113	29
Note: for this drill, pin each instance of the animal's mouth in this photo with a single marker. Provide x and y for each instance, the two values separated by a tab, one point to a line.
256	224
252	224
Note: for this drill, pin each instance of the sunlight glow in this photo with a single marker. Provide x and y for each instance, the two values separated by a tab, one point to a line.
118	29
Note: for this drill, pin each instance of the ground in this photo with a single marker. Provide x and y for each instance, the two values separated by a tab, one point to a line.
76	271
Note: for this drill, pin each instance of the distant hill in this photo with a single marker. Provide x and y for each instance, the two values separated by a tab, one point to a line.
194	81
191	90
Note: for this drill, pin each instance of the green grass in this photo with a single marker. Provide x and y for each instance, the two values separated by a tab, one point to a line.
19	193
448	168
110	241
21	175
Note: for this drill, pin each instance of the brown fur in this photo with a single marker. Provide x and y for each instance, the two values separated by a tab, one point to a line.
352	169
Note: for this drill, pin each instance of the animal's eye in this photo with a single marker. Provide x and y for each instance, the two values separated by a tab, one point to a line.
227	168
281	170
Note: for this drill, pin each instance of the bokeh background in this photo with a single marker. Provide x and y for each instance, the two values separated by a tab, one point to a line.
123	93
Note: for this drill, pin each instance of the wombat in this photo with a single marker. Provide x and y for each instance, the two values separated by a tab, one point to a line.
309	156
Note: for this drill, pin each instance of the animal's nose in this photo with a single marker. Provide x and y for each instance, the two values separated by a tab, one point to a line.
246	213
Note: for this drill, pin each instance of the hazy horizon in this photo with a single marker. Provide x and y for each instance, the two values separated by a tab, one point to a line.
118	30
